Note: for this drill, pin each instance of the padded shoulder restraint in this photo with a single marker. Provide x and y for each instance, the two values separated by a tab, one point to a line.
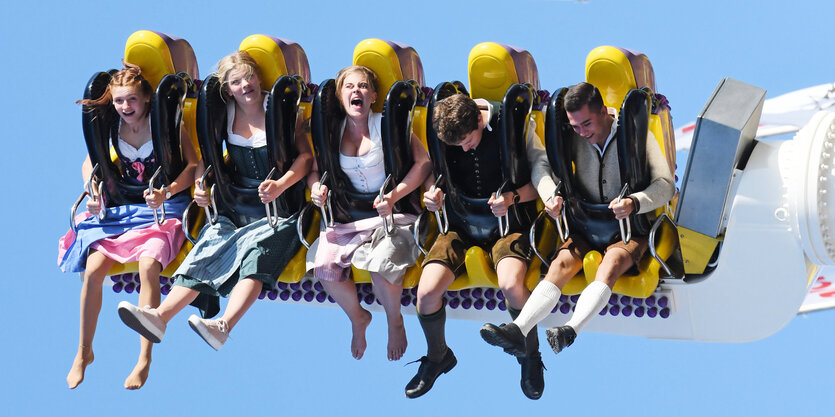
595	221
101	130
472	216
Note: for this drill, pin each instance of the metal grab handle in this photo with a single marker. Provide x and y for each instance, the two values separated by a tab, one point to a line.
440	214
211	212
388	223
185	224
532	238
653	251
299	224
157	218
327	213
272	215
562	220
211	209
424	251
625	235
74	208
92	185
504	221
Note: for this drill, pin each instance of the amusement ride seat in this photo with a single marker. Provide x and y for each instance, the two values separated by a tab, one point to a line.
285	73
400	75
496	73
626	81
169	65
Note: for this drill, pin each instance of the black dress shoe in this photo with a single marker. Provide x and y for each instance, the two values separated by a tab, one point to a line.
428	372
507	336
533	382
560	337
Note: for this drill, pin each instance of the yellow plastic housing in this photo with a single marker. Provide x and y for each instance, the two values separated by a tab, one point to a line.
494	67
615	72
391	62
276	57
152	54
696	250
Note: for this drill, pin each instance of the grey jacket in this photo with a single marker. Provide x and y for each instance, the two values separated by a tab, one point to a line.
592	179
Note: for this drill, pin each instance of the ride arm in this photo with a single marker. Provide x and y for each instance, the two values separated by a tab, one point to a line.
413	179
662	188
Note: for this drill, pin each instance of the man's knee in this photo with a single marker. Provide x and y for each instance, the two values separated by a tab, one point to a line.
433	281
615	263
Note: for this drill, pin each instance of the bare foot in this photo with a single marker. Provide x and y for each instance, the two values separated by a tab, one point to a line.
397	339
139	375
83	358
358	343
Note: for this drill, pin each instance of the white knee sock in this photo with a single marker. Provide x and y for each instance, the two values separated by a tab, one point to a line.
542	300
591	301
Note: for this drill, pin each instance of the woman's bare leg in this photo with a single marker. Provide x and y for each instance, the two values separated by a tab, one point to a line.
389	295
91	292
149	295
345	294
245	293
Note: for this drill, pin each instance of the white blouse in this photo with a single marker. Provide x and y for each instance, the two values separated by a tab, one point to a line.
367	172
257	140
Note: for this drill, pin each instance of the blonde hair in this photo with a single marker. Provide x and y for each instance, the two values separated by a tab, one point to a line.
370	76
235	60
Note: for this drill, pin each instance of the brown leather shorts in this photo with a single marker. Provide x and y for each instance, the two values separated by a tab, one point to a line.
579	247
450	249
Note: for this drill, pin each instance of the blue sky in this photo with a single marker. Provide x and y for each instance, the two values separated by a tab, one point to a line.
294	360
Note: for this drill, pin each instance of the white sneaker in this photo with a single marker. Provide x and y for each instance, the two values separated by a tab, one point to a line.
214	332
146	321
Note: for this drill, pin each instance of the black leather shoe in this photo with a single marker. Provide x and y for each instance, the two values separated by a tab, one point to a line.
560	337
428	372
507	336
533	382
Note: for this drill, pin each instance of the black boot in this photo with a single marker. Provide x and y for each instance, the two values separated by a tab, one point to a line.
507	336
560	337
439	358
428	372
532	381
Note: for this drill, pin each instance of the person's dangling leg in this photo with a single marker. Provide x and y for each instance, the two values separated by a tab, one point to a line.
149	294
389	295
216	331
91	294
345	294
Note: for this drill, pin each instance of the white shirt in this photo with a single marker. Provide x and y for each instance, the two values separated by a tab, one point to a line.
367	172
614	113
257	140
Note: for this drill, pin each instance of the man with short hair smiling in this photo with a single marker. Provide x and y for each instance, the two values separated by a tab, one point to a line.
595	155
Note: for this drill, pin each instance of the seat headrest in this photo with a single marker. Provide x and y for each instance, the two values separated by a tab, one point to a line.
276	57
159	54
615	71
494	67
391	62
